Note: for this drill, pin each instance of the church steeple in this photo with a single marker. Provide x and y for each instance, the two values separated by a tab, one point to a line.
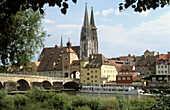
92	18
61	43
86	20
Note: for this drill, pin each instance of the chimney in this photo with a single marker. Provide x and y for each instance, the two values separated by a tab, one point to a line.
168	53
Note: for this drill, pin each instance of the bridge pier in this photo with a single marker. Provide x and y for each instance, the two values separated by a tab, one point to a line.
57	85
37	84
1	86
10	86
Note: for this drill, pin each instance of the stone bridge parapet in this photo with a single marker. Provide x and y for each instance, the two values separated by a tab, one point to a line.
14	82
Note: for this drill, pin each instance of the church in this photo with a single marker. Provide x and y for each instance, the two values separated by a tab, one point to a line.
64	62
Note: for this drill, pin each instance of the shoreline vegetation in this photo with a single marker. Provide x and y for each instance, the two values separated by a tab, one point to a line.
39	99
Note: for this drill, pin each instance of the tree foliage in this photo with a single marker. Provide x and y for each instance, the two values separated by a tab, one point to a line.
39	99
143	5
21	37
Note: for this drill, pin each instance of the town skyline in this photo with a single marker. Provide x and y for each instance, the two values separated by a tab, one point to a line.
119	33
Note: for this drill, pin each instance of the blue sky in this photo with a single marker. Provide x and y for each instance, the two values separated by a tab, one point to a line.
119	33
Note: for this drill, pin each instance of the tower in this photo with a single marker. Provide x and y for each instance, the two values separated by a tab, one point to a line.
88	37
61	43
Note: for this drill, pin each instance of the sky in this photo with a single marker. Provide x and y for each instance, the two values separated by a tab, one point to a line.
119	33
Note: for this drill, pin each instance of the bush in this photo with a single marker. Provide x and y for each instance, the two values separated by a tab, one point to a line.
37	95
20	101
83	108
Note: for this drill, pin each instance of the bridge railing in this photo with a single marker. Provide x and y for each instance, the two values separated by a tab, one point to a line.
32	76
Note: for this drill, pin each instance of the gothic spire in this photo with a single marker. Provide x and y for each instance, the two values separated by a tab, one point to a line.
92	18
86	20
61	43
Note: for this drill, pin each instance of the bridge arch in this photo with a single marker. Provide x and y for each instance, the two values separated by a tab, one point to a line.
75	75
23	85
71	85
1	86
47	84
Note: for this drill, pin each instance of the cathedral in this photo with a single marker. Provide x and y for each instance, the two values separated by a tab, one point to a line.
59	61
88	36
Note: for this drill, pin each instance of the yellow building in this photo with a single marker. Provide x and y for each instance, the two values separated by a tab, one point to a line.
97	69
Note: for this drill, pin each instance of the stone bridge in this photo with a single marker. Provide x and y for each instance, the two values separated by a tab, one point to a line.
14	82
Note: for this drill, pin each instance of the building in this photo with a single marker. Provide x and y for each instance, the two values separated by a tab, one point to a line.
163	64
60	61
146	64
148	53
158	82
117	63
64	62
97	69
88	37
125	78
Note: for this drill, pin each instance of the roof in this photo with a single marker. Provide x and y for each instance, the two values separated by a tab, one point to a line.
147	51
97	60
164	57
125	75
146	61
75	63
117	63
37	63
127	69
51	60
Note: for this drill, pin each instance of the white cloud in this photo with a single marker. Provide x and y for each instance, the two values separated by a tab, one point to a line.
48	21
106	12
97	13
65	30
118	13
143	13
119	40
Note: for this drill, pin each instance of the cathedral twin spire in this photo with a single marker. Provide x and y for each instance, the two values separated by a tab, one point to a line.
86	20
88	37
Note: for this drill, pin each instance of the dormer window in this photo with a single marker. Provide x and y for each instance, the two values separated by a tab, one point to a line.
162	61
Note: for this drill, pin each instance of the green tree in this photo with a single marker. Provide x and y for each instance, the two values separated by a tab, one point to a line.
21	38
143	5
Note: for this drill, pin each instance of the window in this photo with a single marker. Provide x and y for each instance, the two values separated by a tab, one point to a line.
66	58
119	78
91	76
91	71
165	71
96	76
158	71
165	66
95	80
160	78
95	71
72	66
91	80
162	66
162	71
87	73
158	66
87	78
124	78
128	78
84	81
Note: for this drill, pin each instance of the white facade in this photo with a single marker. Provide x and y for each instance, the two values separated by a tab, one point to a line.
162	69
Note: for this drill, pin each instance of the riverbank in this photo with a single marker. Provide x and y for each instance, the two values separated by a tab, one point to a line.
39	99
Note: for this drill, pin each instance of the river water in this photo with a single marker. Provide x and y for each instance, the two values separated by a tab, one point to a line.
74	93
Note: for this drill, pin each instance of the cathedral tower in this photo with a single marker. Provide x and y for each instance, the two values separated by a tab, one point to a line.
88	37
